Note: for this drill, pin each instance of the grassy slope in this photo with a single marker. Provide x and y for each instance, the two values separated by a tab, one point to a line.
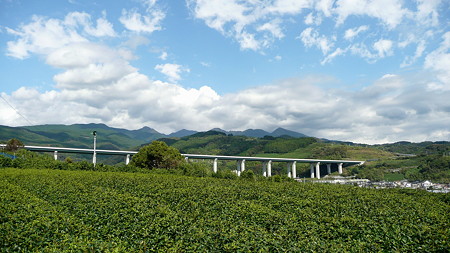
43	210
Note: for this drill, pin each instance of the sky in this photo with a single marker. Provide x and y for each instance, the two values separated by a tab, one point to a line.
367	71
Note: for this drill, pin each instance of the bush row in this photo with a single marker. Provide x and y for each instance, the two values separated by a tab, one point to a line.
32	160
89	211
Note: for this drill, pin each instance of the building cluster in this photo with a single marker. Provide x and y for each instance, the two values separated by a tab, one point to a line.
423	185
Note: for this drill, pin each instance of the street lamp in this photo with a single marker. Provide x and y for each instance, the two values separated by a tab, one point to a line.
94	158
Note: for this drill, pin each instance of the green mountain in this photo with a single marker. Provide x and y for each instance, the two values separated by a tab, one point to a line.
80	136
216	142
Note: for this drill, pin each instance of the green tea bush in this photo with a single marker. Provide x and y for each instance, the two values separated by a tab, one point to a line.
248	175
5	161
90	211
279	178
196	169
226	174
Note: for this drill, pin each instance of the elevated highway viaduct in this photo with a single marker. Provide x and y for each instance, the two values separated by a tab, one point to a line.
291	163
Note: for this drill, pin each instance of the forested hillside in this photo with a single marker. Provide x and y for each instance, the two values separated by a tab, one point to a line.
79	136
403	160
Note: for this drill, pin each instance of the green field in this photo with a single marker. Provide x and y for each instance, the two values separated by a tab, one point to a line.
55	210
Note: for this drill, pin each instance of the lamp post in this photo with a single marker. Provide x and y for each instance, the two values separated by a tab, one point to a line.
94	158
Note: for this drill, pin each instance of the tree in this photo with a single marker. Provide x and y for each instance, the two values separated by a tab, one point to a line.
157	155
13	145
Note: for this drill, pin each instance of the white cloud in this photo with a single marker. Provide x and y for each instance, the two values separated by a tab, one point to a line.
136	41
41	36
310	38
417	54
380	49
103	28
390	12
171	70
257	25
253	24
427	12
351	33
383	48
310	19
137	22
248	41
333	55
439	61
392	109
163	56
273	27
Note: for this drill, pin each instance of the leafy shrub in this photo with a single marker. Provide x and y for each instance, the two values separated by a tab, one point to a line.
248	175
196	169
157	155
5	161
226	174
279	178
13	145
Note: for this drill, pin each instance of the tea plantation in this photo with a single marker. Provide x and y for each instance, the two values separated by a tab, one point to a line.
88	211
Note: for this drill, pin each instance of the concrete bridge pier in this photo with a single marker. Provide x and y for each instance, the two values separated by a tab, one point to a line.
340	168
240	166
267	168
311	169
127	159
55	155
292	169
329	168
318	170
215	165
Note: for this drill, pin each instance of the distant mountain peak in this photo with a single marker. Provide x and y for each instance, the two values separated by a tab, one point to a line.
182	133
282	131
218	130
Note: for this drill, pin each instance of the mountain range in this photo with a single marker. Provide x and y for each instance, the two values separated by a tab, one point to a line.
80	135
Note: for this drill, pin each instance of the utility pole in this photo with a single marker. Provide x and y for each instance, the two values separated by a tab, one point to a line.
94	158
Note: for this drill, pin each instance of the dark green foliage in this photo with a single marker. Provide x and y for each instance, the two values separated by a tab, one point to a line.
334	152
157	155
226	174
248	175
196	169
207	133
5	161
422	148
435	168
279	178
286	145
13	145
87	211
373	174
80	136
216	144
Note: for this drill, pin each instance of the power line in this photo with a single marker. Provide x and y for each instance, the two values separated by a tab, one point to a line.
16	110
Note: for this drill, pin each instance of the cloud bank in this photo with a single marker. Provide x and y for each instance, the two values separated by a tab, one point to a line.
98	83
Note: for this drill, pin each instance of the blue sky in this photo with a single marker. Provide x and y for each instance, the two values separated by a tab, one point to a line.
358	70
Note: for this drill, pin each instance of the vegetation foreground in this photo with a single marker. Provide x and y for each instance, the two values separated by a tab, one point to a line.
57	210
